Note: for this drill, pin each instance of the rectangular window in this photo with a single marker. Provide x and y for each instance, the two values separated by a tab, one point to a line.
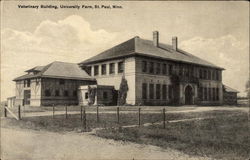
86	95
209	74
170	69
164	91
201	93
61	81
144	66
66	93
209	94
28	83
170	92
164	69
180	71
217	75
96	70
214	96
200	73
75	93
24	83
151	67
57	93
47	93
144	91
120	67
105	95
151	91
217	94
158	68
158	91
111	68
104	69
205	94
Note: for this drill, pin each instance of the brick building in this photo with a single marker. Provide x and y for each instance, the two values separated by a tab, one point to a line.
157	73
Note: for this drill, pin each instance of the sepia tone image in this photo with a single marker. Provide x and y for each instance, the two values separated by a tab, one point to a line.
125	80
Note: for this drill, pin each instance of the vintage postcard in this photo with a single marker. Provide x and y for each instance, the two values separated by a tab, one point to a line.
130	80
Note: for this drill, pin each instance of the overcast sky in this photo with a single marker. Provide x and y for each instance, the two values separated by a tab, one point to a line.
215	31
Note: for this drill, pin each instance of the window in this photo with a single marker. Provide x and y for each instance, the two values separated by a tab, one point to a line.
61	81
151	91
158	68
120	67
209	94
201	93
144	91
217	75
217	94
66	93
104	69
209	74
158	91
86	95
180	71
164	68
28	83
151	67
144	66
170	69
205	94
75	93
164	91
200	74
170	92
214	96
47	93
111	68
105	95
205	74
57	93
24	83
96	70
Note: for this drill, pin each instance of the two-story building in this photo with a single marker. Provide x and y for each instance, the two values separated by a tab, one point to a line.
157	73
54	84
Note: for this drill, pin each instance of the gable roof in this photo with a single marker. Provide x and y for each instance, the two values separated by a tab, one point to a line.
58	70
139	46
229	89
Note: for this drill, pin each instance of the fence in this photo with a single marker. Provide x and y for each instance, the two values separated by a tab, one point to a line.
119	116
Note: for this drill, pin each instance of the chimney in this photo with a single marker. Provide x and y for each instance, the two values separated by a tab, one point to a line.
156	38
174	43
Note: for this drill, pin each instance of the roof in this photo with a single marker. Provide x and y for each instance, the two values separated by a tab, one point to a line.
139	46
37	68
229	89
58	69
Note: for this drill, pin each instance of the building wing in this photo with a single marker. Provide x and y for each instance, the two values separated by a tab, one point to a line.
57	70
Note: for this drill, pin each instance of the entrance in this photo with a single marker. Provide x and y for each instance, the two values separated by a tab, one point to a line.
188	95
26	97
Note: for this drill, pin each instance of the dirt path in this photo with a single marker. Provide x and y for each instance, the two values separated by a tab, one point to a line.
34	145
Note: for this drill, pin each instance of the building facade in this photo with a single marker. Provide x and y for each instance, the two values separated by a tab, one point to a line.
157	74
229	95
54	84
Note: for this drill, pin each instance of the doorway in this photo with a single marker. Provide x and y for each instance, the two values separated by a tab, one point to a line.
188	95
26	97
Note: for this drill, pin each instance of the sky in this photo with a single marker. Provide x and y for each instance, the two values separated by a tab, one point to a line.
217	31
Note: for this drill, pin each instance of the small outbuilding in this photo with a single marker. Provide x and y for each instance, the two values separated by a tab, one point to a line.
229	95
97	95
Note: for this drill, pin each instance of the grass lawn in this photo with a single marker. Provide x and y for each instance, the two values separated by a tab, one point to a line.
226	136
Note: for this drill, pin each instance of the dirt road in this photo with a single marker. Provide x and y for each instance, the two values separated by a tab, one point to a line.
41	145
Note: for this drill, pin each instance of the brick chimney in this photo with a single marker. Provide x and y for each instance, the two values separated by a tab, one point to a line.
156	38
174	43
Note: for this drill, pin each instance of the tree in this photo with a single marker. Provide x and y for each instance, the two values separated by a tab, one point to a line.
122	93
92	93
248	88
